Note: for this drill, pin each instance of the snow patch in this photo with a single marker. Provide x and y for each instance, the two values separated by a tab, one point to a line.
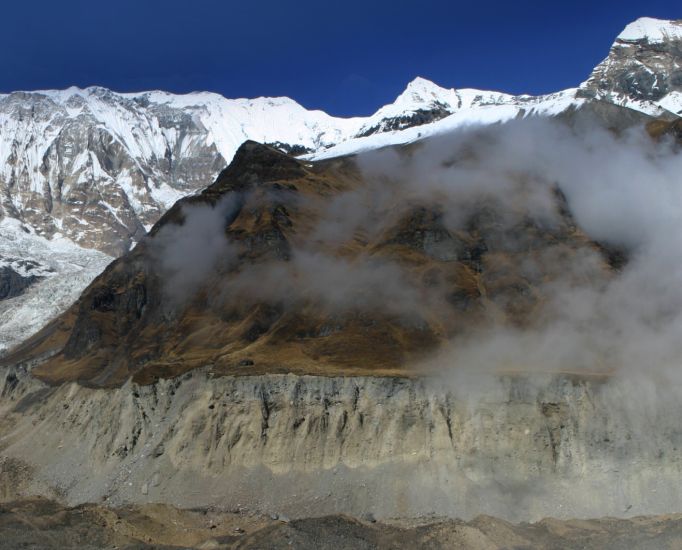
652	30
672	102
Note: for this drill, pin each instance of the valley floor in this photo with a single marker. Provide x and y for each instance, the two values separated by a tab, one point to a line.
44	524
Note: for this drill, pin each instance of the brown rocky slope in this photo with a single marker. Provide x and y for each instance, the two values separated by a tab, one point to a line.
255	260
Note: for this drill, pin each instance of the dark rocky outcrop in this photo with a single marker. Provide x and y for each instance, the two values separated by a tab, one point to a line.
295	150
419	117
12	283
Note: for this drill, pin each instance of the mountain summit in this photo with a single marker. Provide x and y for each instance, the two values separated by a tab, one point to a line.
643	69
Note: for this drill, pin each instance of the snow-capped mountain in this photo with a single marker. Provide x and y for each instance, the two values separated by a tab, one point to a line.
99	167
42	277
90	170
643	70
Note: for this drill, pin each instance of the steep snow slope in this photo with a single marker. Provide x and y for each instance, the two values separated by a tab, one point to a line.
480	109
652	30
100	168
62	270
230	122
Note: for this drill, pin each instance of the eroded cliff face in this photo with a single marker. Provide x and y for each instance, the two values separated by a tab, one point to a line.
517	447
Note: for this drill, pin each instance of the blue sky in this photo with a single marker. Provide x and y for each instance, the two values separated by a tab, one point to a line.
346	57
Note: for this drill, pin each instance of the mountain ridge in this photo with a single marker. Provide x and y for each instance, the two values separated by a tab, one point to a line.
98	168
139	152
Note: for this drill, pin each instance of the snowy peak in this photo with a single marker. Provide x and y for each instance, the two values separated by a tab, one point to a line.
422	92
424	102
643	70
648	29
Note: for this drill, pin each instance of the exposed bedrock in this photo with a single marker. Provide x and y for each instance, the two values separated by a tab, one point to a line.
13	284
520	448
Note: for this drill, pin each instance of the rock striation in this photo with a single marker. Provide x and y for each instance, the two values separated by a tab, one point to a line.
520	447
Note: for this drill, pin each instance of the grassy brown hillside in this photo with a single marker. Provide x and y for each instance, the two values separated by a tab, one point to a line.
263	272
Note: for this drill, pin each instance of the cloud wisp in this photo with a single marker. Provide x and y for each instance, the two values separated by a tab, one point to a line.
622	192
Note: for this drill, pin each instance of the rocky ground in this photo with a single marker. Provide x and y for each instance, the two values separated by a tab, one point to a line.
43	524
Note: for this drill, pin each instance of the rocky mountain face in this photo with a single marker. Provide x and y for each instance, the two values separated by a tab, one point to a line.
643	69
99	168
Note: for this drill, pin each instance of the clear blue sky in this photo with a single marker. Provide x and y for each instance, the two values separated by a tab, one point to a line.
346	57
